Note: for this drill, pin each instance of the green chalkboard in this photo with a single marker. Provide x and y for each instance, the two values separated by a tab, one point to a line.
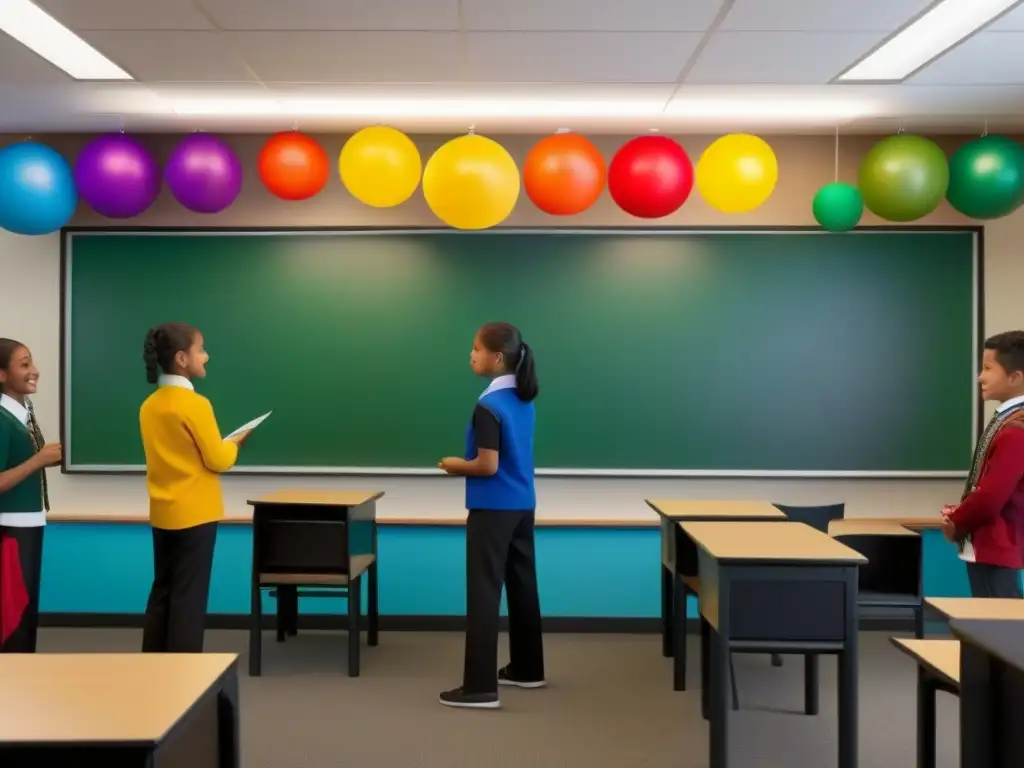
663	352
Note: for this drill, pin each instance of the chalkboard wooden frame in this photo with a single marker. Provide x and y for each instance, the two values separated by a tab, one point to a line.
67	233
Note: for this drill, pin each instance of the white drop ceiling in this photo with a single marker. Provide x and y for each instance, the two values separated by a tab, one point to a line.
609	51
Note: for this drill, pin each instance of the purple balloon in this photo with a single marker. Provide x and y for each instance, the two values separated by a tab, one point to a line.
117	176
203	174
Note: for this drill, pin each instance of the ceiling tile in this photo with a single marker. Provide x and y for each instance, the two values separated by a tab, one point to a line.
339	57
822	15
779	57
20	65
595	57
1011	21
988	58
126	14
334	15
149	56
589	15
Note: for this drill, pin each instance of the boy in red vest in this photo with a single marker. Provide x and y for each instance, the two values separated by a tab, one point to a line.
988	523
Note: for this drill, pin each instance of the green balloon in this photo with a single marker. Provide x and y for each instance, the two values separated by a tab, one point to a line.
903	177
986	177
838	207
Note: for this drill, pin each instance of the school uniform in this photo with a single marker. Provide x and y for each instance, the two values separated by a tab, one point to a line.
500	551
185	455
23	515
990	516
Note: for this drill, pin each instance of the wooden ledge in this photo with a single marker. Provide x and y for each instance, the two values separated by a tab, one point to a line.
359	564
246	519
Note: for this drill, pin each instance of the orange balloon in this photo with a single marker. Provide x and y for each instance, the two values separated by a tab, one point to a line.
293	166
564	174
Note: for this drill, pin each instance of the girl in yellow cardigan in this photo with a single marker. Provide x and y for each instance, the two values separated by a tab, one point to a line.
185	455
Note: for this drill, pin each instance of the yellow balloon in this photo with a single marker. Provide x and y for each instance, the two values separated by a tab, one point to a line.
737	173
380	166
471	183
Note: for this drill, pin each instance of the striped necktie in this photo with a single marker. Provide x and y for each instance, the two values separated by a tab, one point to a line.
38	441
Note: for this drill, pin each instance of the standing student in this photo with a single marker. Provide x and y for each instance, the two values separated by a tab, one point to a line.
500	497
24	457
185	455
988	523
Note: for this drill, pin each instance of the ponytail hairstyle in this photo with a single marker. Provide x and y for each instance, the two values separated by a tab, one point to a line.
7	349
505	339
163	343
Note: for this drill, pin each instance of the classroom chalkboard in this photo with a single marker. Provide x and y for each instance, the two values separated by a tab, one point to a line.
665	352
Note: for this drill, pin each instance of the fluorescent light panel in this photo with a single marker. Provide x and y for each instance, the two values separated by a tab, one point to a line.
40	32
934	33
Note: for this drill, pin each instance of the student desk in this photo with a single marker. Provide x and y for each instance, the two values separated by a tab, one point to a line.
991	692
776	587
894	574
119	710
325	540
679	576
938	669
959	608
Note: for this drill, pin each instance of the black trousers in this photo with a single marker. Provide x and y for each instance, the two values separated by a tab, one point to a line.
30	554
994	581
500	550
176	611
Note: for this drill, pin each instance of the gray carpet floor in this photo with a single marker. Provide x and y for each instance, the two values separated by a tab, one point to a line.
609	703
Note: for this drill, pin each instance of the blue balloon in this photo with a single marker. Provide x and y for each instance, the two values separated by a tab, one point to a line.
37	189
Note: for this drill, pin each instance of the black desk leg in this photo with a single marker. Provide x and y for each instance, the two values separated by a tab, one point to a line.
919	622
255	630
229	743
705	663
978	709
925	720
719	705
811	686
355	605
372	606
666	612
678	634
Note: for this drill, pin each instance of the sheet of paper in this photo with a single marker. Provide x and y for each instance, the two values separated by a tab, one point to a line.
248	426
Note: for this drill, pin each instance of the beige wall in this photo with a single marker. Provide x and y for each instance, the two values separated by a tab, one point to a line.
29	311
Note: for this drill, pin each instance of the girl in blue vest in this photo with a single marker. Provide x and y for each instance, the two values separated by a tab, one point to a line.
501	499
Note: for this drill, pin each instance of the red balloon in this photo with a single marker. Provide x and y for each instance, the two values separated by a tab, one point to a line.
650	177
293	166
564	174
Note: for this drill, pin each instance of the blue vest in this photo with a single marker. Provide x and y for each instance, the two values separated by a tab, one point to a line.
511	487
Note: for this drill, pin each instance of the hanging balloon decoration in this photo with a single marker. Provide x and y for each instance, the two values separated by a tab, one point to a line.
903	177
986	177
564	174
293	166
37	189
471	182
737	173
838	206
203	173
650	177
380	166
117	176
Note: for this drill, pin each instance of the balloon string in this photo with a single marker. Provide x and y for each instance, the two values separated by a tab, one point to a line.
983	135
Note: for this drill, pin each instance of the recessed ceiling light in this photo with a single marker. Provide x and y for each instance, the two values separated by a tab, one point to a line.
40	32
941	28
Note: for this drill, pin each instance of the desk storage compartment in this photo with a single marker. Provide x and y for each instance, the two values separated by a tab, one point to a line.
787	609
300	540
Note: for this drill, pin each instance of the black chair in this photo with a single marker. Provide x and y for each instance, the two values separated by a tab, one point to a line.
305	551
817	517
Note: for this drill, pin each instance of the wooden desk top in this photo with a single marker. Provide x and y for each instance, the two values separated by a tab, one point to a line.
90	697
940	656
977	607
999	638
708	509
319	498
769	542
851	526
